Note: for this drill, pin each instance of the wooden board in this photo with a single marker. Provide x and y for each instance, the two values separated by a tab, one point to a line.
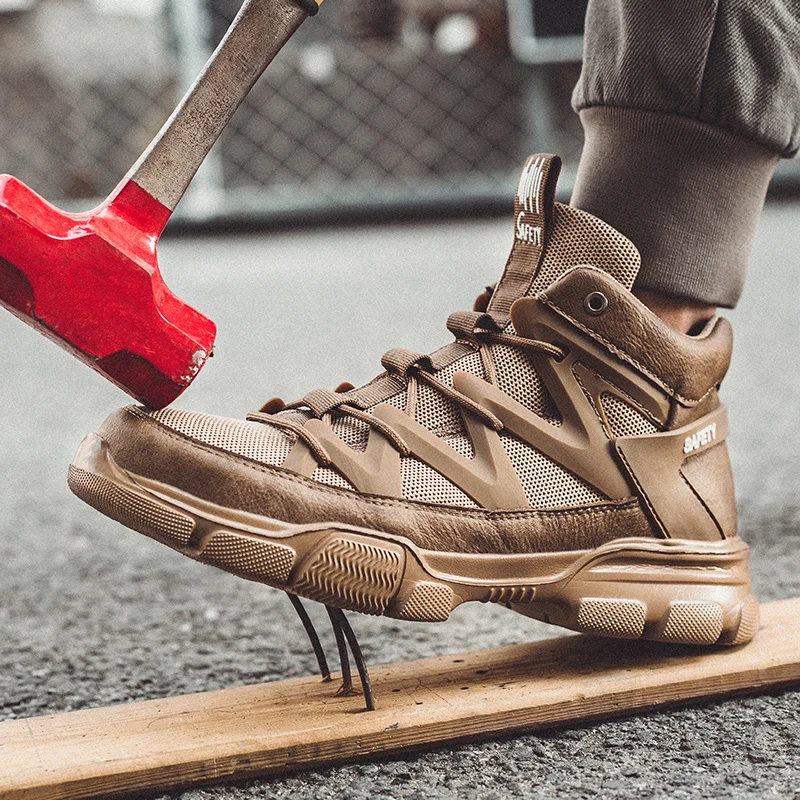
296	724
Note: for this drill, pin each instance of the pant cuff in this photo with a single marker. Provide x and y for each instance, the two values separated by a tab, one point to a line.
686	193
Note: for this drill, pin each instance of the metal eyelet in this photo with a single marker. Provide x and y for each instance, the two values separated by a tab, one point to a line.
595	303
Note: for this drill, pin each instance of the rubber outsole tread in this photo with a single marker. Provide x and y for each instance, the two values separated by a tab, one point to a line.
693	623
353	575
361	571
130	509
506	595
250	557
749	621
623	619
429	602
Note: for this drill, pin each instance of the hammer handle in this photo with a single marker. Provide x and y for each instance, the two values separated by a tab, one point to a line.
255	37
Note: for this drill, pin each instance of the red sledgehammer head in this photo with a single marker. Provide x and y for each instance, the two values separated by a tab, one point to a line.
91	283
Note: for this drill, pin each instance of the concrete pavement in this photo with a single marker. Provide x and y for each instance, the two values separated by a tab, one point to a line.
92	614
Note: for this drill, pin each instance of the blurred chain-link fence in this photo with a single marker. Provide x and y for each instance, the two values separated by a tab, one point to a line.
373	104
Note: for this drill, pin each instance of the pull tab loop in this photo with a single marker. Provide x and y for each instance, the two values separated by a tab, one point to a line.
533	222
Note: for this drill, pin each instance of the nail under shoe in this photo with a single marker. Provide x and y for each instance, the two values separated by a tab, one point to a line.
565	457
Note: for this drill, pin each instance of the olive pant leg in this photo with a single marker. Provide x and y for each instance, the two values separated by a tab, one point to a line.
687	107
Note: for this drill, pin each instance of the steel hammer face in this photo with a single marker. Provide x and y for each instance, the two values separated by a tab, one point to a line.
91	283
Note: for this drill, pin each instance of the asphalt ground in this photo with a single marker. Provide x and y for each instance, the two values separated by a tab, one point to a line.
93	614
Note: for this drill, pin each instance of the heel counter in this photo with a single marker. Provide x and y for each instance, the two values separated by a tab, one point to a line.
710	476
684	503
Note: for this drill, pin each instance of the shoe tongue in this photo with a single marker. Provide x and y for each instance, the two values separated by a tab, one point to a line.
551	238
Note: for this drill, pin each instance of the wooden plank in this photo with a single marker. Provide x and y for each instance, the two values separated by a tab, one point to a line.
296	724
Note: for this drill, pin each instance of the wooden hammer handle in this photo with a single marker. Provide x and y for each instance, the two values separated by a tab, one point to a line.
255	37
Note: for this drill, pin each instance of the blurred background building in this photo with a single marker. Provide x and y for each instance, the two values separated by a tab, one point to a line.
375	106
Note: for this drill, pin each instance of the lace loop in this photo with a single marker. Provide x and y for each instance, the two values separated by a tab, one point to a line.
320	401
472	329
378	391
529	344
464	324
399	360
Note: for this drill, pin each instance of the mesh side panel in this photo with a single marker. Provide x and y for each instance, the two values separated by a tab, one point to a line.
438	414
623	418
298	417
579	238
426	485
397	400
353	432
546	484
469	363
517	378
462	445
252	440
331	477
442	416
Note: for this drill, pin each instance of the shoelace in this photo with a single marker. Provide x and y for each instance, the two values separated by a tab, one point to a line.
403	365
472	329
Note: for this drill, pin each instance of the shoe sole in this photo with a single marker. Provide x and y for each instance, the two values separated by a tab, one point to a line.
688	592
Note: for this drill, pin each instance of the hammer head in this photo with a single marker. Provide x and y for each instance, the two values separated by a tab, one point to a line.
91	283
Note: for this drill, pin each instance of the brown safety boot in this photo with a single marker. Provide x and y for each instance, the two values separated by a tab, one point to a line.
564	457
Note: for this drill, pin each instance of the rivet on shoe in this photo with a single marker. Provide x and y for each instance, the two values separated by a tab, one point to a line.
595	303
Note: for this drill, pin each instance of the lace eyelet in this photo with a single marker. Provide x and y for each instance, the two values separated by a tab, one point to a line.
595	303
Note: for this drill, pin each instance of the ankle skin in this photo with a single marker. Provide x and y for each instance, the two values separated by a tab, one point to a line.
680	314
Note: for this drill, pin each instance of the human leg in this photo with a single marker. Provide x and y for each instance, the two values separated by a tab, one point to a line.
687	108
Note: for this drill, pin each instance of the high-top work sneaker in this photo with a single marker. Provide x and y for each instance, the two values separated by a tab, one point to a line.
565	456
